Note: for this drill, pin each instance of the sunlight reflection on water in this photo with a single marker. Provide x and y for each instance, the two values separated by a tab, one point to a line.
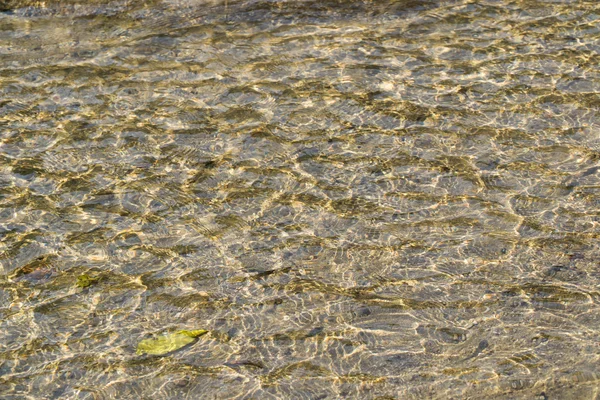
367	199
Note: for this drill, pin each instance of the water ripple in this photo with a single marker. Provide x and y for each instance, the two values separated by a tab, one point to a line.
374	199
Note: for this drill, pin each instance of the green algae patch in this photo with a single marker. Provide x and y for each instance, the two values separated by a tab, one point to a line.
85	280
168	343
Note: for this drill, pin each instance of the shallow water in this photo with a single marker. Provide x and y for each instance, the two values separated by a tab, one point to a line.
370	200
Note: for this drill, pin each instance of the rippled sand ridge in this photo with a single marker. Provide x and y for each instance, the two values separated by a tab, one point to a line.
357	199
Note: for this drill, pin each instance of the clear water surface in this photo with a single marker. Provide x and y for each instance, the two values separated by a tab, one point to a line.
358	199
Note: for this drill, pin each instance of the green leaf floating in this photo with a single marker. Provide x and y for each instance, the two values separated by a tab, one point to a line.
168	343
85	280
